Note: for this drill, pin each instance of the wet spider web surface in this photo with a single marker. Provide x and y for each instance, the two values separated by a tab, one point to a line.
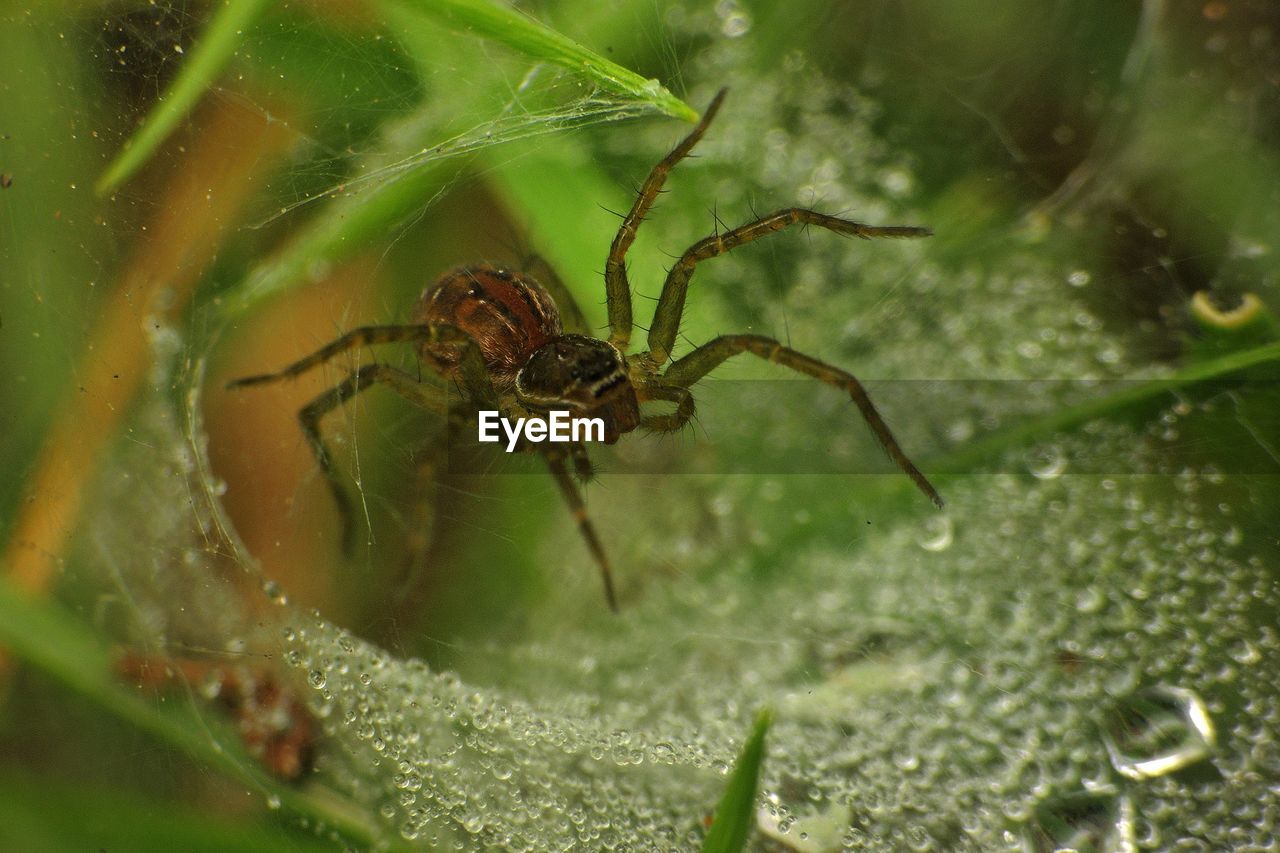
1079	651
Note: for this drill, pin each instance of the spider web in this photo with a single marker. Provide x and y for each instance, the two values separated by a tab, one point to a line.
944	680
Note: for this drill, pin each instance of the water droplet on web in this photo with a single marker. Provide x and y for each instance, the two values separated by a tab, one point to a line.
317	679
897	182
961	430
1086	820
1245	652
811	831
938	533
1047	462
734	20
1090	600
1158	731
274	592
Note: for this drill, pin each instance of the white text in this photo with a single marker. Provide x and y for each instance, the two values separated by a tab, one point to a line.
557	426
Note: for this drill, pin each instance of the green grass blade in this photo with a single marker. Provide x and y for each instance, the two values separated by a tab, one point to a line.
46	637
208	58
546	187
48	814
409	169
736	813
967	458
521	33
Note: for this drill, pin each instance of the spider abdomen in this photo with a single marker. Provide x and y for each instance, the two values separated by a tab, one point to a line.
509	315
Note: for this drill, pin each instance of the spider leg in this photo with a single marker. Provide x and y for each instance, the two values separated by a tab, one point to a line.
670	421
575	321
582	467
555	461
472	373
697	364
666	317
616	285
309	417
421	524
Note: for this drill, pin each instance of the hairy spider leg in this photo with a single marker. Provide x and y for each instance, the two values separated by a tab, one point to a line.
668	421
616	285
406	385
583	468
666	317
421	521
555	461
697	364
473	376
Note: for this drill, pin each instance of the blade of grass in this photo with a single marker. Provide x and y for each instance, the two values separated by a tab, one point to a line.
398	182
544	189
974	453
522	33
736	813
49	814
48	638
210	55
233	146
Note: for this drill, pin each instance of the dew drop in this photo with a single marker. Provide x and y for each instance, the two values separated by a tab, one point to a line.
734	20
1158	731
1245	652
274	592
1090	600
938	533
1086	820
1047	462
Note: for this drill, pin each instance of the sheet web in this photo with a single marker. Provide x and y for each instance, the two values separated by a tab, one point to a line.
939	667
1073	652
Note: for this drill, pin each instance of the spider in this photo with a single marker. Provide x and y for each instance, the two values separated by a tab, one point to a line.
521	347
271	719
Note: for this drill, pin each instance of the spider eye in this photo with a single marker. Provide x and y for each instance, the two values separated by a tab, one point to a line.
584	375
571	370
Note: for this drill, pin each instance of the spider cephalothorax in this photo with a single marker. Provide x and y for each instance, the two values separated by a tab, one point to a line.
509	342
586	376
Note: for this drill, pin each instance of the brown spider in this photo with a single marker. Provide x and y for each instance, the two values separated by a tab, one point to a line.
499	336
272	721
